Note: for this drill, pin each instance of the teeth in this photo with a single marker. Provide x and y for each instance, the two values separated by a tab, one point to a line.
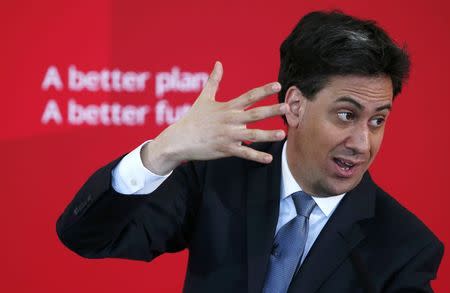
344	165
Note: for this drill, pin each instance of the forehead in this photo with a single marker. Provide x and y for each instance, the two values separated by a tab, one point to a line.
364	89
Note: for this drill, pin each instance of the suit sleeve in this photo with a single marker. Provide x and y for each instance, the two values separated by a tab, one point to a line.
417	274
100	222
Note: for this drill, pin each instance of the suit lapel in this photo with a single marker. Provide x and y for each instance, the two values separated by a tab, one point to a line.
262	215
339	237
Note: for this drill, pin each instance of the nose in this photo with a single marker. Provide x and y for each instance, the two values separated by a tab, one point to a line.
359	140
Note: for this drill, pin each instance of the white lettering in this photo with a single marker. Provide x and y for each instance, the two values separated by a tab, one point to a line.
106	80
176	81
166	114
52	78
106	114
51	112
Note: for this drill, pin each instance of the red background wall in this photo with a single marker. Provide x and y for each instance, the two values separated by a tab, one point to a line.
43	165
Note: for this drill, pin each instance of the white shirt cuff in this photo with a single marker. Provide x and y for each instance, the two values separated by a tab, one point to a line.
131	177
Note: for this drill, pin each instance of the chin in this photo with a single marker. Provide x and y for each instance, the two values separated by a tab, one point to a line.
337	186
348	185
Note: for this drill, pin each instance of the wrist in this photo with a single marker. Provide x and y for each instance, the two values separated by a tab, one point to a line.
158	157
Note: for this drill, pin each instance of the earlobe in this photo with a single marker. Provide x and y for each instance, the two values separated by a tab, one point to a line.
296	103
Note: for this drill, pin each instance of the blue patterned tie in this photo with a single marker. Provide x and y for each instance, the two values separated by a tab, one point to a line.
288	246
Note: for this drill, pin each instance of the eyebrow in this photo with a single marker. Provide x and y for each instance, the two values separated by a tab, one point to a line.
361	107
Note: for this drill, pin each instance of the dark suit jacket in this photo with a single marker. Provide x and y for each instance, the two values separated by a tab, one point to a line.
225	212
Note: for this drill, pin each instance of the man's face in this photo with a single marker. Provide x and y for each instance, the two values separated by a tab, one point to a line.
333	138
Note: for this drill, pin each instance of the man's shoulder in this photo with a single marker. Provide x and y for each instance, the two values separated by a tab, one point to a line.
399	223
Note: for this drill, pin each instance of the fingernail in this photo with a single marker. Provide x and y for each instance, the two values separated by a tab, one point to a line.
268	159
280	134
276	86
283	108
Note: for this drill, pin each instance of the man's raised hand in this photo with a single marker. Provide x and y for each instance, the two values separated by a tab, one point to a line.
212	130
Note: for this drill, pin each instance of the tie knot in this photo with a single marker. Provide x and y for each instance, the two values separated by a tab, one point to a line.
303	202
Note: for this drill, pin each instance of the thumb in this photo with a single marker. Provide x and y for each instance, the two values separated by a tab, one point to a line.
212	84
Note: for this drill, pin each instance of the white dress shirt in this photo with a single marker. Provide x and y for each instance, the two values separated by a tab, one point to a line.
323	210
131	177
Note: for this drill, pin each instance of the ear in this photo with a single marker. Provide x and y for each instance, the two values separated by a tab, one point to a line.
297	104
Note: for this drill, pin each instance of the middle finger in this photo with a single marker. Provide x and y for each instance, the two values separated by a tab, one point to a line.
262	112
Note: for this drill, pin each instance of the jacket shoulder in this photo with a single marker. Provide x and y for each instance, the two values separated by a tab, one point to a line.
399	223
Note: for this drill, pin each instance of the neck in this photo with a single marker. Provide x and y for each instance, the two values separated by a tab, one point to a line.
294	166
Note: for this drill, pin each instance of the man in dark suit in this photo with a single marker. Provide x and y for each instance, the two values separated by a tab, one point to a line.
295	215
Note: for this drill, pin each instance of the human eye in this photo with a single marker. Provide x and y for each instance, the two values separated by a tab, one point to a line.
377	121
346	116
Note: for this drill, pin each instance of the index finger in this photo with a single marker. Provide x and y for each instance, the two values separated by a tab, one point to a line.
255	95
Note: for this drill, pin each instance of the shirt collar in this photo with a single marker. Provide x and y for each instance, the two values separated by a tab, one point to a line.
288	186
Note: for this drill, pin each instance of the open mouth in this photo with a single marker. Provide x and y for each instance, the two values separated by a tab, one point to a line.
345	165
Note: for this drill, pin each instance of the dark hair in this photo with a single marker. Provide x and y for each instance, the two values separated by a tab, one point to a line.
324	44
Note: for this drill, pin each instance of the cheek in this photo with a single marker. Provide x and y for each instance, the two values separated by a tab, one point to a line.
321	138
376	143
